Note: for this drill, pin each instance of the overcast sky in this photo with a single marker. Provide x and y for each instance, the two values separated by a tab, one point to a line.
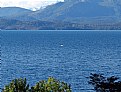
28	4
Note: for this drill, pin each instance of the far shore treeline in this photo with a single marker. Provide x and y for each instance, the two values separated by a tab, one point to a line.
45	25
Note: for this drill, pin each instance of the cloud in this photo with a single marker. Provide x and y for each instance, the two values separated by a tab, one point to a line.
28	4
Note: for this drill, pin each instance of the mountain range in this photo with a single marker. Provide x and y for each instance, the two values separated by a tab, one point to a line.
70	14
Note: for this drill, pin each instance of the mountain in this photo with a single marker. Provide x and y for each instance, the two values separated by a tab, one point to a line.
15	13
70	14
12	11
75	11
80	10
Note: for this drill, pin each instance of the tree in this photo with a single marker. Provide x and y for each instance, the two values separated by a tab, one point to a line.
50	85
103	84
17	85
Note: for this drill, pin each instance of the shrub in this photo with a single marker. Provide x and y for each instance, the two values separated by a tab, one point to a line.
103	84
51	85
17	85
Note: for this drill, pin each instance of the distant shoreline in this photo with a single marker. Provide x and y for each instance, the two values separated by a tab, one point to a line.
66	30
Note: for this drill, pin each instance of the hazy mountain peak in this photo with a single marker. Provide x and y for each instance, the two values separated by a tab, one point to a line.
9	11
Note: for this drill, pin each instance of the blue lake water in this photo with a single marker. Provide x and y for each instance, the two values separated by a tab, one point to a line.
67	56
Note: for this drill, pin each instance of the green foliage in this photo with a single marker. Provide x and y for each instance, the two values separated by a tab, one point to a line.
17	85
51	85
103	84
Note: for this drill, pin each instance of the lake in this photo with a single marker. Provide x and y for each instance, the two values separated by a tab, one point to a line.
68	56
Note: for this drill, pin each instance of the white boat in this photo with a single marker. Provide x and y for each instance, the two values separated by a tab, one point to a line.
61	45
